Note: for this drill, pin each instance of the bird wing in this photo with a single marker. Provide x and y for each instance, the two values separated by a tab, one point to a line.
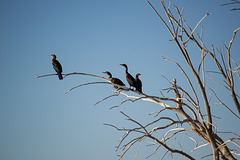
131	80
57	66
117	81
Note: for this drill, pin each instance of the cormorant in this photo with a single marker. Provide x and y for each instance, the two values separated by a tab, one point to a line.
114	80
57	66
129	77
138	83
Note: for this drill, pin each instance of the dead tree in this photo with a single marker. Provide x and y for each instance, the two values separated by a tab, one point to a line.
191	111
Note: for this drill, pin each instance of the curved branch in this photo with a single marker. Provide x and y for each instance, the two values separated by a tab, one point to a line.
87	83
106	98
73	73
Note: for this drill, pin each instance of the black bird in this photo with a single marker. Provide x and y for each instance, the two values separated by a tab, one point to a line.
138	83
129	77
57	66
114	80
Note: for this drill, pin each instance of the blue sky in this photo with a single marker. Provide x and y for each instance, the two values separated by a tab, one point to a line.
38	121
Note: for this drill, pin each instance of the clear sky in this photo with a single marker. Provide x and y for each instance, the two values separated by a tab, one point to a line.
38	121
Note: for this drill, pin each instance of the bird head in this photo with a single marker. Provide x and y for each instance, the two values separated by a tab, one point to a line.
124	65
52	55
107	73
139	75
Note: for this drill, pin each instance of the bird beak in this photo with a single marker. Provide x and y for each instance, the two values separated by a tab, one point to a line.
140	75
50	55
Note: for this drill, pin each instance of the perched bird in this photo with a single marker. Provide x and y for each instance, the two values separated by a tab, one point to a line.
57	66
129	77
114	80
138	83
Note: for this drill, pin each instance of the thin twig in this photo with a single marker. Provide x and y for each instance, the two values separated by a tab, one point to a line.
87	83
224	104
207	14
107	98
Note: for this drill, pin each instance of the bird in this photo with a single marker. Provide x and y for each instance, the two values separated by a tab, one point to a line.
138	83
129	77
114	80
57	66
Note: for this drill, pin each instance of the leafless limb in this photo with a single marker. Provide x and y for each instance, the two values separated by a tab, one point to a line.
207	14
233	2
164	155
231	133
207	156
74	73
200	146
158	112
107	98
188	79
87	83
217	81
231	140
154	152
139	148
224	104
127	99
192	140
37	76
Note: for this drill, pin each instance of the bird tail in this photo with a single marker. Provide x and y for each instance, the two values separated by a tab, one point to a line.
60	76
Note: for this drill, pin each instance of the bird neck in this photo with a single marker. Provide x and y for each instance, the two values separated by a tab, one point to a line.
126	70
53	58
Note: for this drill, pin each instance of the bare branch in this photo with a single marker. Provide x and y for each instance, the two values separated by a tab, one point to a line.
87	83
127	99
234	2
207	14
161	19
192	140
230	140
188	79
200	146
37	76
154	152
107	98
230	133
217	81
224	104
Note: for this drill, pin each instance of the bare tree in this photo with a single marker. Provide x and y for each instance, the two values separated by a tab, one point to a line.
191	110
